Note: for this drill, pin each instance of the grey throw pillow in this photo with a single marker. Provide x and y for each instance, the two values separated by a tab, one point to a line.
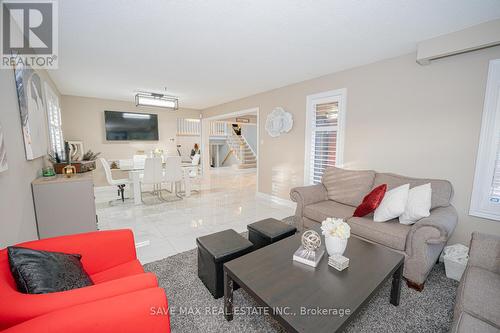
42	272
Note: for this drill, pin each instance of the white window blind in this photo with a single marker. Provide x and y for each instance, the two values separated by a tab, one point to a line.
324	132
495	183
54	122
324	139
485	201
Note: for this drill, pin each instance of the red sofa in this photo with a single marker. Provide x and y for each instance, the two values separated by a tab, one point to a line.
123	298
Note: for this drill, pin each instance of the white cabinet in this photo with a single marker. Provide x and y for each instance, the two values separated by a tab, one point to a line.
64	206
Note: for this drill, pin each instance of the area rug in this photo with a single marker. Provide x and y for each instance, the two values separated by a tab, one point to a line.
193	309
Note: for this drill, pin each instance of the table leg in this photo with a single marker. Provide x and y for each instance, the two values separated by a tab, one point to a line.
228	297
396	285
187	185
135	177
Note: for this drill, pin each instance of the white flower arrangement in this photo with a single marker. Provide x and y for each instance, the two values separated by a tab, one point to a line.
158	152
335	227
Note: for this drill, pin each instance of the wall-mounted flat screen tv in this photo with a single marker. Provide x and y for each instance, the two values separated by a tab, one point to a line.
129	126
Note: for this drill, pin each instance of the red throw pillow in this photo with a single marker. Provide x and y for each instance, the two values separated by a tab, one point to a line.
371	201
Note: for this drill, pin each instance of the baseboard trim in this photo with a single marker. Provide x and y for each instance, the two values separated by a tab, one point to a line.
278	200
104	189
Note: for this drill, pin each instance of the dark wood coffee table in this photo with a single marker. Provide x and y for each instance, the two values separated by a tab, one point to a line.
307	299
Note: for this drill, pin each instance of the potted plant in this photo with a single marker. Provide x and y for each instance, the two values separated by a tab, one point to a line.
336	232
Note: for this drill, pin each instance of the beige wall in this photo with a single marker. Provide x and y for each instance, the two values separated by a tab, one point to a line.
17	221
83	120
420	121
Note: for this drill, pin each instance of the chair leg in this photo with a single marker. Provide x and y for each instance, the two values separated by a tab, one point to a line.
122	192
153	193
156	193
177	194
140	190
159	192
173	191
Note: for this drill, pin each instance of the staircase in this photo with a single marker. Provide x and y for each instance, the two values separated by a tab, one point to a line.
242	150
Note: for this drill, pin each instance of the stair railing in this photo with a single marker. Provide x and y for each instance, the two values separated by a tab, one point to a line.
237	144
245	139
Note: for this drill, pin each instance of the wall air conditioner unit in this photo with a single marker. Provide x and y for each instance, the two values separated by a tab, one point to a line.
471	39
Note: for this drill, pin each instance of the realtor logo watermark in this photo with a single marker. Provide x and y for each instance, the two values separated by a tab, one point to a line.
29	33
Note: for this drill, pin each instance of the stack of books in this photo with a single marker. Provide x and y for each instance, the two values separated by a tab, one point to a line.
338	262
307	257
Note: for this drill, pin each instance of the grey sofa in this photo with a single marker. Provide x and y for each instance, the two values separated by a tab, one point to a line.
477	307
341	191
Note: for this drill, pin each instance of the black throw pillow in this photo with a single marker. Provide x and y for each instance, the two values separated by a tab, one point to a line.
42	272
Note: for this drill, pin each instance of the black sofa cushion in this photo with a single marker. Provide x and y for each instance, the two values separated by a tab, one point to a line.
42	272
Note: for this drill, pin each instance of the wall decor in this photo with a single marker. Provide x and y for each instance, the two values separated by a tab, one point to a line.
278	121
76	150
3	153
32	109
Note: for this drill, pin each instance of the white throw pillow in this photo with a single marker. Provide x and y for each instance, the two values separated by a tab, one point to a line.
418	205
393	204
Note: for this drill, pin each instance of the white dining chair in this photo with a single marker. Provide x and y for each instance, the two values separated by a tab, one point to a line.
194	172
173	174
139	161
120	183
196	160
127	164
153	176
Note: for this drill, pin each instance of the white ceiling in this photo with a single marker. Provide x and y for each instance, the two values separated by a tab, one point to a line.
209	52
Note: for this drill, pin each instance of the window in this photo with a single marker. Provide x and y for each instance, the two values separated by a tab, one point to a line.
325	123
485	200
54	122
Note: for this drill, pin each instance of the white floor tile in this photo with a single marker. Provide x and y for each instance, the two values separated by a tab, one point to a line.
227	201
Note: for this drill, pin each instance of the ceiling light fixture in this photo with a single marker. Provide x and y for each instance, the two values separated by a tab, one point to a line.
156	100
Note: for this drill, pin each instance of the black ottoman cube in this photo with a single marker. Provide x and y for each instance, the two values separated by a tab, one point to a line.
213	251
268	231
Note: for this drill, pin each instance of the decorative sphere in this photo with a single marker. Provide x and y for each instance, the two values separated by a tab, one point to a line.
311	240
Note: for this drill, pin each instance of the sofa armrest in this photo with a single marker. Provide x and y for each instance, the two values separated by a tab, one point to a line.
21	307
484	252
426	240
100	250
307	195
141	311
444	219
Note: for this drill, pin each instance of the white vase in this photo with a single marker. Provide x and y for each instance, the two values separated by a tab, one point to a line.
335	245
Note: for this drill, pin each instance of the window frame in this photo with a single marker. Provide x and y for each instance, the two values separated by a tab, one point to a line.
340	96
481	205
51	94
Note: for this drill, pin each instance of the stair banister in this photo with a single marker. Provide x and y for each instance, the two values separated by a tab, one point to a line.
249	146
